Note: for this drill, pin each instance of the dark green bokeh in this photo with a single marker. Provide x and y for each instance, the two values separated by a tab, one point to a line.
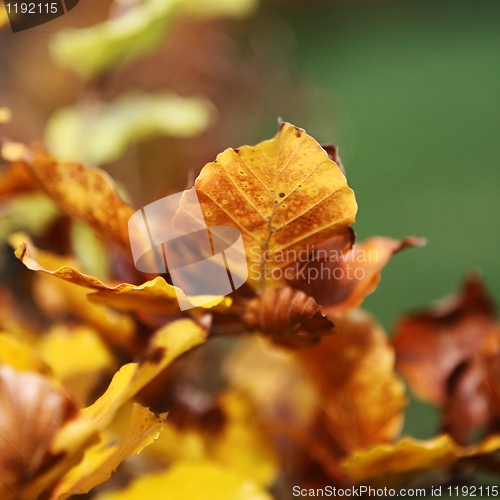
414	93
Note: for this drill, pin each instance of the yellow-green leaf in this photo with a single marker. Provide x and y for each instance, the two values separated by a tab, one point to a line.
103	132
91	50
138	30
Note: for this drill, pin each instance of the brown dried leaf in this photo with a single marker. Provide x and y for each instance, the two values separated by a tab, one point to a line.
284	195
431	344
362	397
340	280
287	315
446	354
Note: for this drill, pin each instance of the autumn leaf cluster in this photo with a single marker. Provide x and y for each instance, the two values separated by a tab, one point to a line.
285	381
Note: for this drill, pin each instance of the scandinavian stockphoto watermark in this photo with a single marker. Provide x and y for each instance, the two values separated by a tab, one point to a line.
206	263
310	264
24	15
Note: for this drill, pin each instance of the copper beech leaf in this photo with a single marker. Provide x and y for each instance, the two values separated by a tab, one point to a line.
449	356
288	316
42	434
366	407
340	280
102	459
284	195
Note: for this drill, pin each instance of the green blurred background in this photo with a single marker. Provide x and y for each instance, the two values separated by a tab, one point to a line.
416	90
409	91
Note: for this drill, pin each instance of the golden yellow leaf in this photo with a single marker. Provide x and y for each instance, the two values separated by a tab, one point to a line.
284	195
275	381
389	464
243	446
78	358
21	355
155	296
241	443
166	344
102	459
392	463
194	481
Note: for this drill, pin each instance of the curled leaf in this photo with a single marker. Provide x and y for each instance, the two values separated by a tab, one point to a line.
391	464
57	296
340	279
32	415
155	296
101	460
287	315
284	195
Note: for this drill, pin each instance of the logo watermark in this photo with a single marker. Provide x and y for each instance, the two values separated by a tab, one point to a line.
205	263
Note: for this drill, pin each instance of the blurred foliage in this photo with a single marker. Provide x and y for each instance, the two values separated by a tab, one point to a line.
101	133
140	28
